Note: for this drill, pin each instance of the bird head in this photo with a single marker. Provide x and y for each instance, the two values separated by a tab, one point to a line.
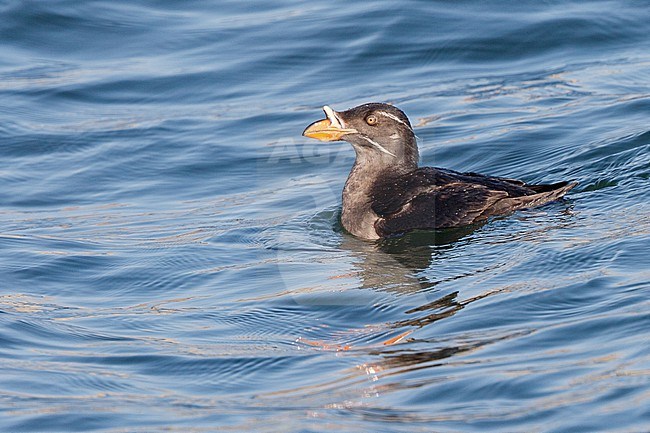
380	134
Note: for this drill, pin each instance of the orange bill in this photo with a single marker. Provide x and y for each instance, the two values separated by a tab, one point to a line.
329	129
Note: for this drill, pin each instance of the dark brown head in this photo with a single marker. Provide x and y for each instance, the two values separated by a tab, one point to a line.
380	134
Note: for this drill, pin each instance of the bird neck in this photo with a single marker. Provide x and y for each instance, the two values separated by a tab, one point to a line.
357	215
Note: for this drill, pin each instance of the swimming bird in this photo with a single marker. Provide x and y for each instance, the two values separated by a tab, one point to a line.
387	194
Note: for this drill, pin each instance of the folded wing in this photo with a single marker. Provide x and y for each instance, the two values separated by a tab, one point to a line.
431	198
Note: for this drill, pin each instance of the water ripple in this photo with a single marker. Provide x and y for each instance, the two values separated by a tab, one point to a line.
171	250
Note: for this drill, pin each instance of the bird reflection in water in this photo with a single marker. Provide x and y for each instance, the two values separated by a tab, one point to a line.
395	265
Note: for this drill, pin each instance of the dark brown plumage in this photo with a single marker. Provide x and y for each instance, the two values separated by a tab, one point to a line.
387	194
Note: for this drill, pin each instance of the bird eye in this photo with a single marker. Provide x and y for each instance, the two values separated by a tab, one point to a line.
371	120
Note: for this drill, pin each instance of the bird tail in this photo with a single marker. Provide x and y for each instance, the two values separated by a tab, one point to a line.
559	188
543	194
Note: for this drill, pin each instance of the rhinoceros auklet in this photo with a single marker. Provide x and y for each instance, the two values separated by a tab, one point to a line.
387	194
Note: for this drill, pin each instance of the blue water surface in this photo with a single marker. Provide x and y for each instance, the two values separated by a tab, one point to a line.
170	252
